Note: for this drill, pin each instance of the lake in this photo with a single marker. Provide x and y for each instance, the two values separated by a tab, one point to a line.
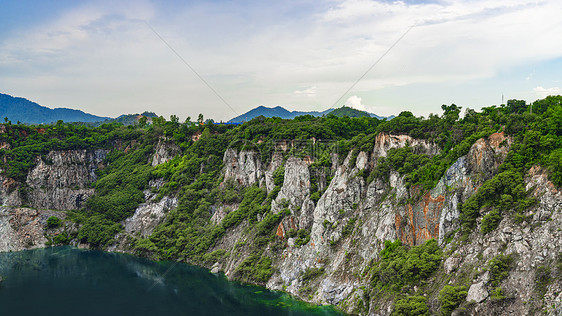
69	281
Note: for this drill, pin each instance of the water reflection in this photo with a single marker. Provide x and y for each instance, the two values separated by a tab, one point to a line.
64	281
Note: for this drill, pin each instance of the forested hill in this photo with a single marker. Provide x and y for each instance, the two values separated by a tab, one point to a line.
25	111
283	113
409	216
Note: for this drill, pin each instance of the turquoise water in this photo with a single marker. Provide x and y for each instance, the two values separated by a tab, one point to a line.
68	281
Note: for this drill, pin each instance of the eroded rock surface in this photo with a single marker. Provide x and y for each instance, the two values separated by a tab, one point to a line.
62	180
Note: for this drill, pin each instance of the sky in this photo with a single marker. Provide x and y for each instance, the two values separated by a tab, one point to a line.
223	58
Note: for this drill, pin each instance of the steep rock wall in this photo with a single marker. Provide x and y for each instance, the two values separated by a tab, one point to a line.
164	151
23	228
436	212
375	212
62	181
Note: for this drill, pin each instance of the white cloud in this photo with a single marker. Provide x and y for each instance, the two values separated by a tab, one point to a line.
106	60
543	92
309	92
356	103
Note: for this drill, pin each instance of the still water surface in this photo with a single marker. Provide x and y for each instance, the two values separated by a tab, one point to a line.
68	281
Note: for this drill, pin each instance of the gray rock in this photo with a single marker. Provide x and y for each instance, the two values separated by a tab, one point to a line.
164	151
477	292
215	268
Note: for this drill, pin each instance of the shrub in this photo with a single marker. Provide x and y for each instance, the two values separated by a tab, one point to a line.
256	268
98	231
214	256
490	221
53	222
497	294
450	297
400	266
61	239
542	279
499	268
312	273
303	237
411	306
348	228
314	197
279	176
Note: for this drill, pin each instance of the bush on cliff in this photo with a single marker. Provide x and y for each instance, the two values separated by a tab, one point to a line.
400	266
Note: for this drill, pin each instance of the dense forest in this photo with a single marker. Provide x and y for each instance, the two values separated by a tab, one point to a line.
195	176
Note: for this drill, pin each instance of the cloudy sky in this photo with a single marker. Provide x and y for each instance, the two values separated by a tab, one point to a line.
103	57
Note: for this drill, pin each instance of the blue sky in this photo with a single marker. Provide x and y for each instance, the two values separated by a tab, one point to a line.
103	58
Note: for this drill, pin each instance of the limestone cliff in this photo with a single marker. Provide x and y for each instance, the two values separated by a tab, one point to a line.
379	211
347	222
62	180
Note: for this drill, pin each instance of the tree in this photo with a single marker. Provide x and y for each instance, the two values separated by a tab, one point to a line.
451	112
200	119
516	106
53	222
142	121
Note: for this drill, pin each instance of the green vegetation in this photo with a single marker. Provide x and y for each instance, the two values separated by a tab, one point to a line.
195	177
542	279
490	221
279	176
255	268
98	231
350	112
348	228
312	273
119	189
402	267
303	237
499	267
411	306
54	222
450	297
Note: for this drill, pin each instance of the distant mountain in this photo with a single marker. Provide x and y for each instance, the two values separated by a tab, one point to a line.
131	119
351	112
273	112
286	114
25	111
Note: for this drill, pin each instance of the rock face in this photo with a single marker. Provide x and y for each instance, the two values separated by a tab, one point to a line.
377	211
164	151
477	292
384	142
23	228
244	167
9	192
347	222
62	181
148	215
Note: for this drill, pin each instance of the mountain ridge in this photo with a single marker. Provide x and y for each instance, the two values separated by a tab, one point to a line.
279	111
23	110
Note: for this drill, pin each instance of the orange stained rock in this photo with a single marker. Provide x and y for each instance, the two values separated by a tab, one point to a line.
416	227
280	231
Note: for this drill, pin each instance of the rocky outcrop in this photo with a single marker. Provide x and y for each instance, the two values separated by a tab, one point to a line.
164	151
62	180
9	191
369	213
23	228
531	246
148	215
436	213
347	221
244	167
385	142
